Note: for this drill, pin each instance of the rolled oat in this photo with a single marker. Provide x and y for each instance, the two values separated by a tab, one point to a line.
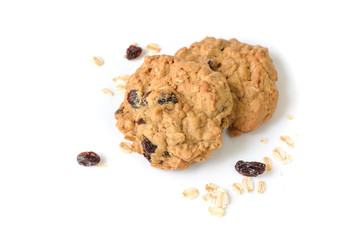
153	48
190	193
260	187
248	184
107	92
268	163
126	147
98	61
217	212
237	188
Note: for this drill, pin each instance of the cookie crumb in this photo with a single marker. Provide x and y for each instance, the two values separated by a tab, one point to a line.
237	188
260	187
268	163
290	117
98	61
153	48
248	184
288	141
107	92
190	193
126	147
264	140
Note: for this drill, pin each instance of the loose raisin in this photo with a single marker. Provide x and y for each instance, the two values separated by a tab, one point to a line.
143	99
148	147
133	52
166	154
250	169
133	98
140	121
167	97
88	159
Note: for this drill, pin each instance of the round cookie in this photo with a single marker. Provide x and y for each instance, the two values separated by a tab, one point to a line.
174	111
250	74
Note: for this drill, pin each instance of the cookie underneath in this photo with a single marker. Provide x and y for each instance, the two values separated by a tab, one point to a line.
250	73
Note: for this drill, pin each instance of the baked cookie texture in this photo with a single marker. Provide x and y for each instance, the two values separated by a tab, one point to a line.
174	111
250	73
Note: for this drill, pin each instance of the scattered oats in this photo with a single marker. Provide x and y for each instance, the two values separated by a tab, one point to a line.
222	198
237	188
217	212
288	141
153	48
290	117
126	147
265	140
260	187
123	78
107	91
211	187
120	88
281	155
124	56
268	163
134	44
210	195
190	193
248	184
296	134
98	61
101	165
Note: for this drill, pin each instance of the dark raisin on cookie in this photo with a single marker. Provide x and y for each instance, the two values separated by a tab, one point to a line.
148	147
143	99
88	159
119	111
210	63
167	97
140	121
166	154
250	169
133	52
133	98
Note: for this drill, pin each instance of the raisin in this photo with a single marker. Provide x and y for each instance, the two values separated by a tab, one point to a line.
88	159
148	147
119	111
219	65
167	97
140	121
143	99
133	52
133	98
166	154
250	169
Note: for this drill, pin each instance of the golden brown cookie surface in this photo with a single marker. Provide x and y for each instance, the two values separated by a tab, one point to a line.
174	111
250	73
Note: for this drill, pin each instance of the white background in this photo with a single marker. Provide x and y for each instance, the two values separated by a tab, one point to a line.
52	109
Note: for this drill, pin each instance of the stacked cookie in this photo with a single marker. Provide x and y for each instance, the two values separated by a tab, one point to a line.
176	107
